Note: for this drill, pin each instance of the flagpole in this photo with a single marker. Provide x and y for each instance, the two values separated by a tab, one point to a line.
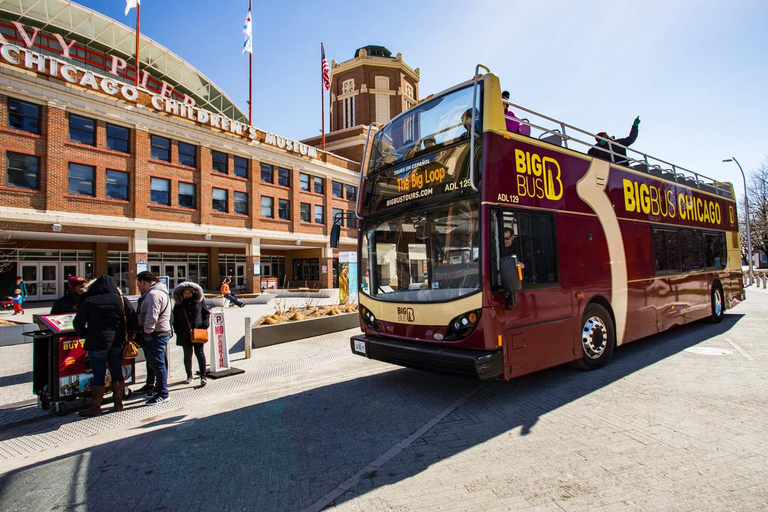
322	96
138	35
250	69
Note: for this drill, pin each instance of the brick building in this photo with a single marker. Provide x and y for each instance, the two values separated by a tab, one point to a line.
101	176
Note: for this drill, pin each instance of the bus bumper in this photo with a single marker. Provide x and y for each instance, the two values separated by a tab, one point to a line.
477	364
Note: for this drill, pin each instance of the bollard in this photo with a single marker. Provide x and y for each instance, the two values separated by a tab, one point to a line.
765	279
248	333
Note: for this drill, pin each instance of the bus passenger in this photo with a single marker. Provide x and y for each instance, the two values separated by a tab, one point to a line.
619	155
513	122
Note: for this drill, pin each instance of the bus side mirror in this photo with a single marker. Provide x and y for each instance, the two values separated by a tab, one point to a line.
511	276
335	234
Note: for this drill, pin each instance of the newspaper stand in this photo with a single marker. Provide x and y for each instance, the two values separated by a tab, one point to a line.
61	369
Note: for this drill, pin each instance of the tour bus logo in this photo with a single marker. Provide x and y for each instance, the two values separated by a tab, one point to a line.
405	315
538	176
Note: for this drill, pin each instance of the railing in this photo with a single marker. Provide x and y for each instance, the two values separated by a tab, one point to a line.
557	132
756	277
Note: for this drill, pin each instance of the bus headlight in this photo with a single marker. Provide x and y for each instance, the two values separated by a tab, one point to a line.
368	318
463	325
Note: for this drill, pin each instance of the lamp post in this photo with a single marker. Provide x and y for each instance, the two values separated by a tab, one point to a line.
746	208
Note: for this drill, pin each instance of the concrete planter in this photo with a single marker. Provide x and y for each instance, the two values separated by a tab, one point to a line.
14	334
266	335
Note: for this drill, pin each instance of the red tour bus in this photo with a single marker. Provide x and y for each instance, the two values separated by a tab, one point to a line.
491	254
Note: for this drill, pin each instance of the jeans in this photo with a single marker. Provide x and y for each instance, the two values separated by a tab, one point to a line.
154	349
199	349
231	297
99	361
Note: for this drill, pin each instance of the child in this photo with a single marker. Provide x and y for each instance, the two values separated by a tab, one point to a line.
17	298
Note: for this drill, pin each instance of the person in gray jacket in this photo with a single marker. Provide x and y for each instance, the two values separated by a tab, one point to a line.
155	323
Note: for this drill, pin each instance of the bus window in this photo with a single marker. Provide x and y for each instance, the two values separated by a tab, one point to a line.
531	237
714	250
666	250
691	249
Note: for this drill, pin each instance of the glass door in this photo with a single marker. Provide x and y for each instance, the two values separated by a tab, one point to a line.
49	284
29	273
67	270
239	279
176	272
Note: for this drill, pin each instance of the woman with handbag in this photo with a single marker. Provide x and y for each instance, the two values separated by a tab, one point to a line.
190	322
104	318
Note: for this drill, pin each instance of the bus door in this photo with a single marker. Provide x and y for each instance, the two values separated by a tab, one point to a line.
539	326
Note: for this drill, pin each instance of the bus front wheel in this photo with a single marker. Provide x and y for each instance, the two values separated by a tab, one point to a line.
718	305
598	338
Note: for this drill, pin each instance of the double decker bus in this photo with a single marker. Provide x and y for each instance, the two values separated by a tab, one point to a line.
491	253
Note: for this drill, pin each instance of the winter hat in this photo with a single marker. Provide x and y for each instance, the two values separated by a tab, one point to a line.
74	282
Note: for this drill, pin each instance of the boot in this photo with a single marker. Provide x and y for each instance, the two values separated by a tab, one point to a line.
97	397
118	391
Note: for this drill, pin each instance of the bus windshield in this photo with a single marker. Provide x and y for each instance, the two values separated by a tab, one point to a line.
434	123
423	256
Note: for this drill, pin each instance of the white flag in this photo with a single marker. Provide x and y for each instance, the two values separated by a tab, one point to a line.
248	43
130	4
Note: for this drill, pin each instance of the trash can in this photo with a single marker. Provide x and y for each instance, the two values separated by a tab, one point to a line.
61	368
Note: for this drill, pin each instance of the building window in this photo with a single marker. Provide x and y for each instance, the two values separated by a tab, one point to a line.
338	217
267	173
267	207
241	167
24	116
348	111
219	162
351	192
319	185
187	195
352	220
306	215
81	179
284	209
304	181
306	269
160	148
283	177
118	138
241	203
82	130
22	170
348	86
319	214
187	154
160	191
117	185
337	190
219	200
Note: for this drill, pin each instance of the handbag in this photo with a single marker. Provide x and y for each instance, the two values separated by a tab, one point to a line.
196	335
130	350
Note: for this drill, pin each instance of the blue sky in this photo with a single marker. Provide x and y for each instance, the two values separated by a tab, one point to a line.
694	71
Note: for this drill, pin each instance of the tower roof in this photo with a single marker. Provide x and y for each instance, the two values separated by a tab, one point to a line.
375	51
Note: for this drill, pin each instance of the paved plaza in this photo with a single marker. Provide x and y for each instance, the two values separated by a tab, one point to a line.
678	421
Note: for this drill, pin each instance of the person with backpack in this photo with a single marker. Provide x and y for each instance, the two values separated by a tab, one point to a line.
190	313
156	329
103	319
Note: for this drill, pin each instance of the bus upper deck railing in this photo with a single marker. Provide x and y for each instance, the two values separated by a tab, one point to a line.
559	135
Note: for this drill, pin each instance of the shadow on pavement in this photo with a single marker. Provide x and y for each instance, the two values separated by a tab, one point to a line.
287	453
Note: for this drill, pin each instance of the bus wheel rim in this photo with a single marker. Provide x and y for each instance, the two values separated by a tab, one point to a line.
718	303
594	337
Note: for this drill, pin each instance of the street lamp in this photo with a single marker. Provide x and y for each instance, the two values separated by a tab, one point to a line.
746	208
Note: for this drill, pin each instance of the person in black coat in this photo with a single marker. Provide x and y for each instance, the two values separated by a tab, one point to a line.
103	319
190	312
620	154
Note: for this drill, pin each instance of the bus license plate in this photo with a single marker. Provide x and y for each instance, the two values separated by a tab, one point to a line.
360	347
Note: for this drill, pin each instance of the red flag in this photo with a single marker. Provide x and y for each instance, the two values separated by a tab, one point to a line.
326	71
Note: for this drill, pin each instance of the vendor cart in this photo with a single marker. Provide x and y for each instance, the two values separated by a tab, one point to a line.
61	369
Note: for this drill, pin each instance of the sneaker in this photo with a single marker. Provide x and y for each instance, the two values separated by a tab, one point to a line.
150	393
189	380
203	382
157	399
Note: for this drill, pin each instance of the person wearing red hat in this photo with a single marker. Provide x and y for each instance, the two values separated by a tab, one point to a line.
614	153
71	299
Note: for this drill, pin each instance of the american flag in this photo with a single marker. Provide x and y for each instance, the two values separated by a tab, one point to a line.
326	71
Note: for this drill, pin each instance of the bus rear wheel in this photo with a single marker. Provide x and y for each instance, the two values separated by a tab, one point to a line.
598	338
718	305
